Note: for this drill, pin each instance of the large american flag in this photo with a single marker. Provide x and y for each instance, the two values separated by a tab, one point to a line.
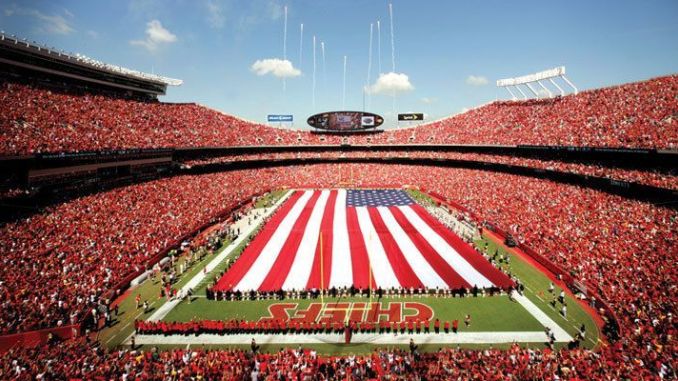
353	233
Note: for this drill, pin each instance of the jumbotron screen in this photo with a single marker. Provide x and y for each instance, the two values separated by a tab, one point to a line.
345	121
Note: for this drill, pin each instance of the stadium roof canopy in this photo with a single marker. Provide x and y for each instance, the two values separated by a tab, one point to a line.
33	57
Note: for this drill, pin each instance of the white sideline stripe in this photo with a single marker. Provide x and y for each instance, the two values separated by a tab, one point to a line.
383	274
454	259
262	265
297	277
341	273
338	338
428	276
161	312
542	318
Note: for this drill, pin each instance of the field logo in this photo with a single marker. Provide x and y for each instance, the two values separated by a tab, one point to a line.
394	312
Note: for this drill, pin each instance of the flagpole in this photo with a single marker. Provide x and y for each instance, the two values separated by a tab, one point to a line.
322	274
369	283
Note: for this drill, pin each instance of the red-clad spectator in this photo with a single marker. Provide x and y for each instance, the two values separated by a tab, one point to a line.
640	115
666	178
622	248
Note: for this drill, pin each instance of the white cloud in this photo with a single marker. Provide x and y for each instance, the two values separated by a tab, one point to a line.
49	24
390	84
156	34
474	80
216	17
93	34
428	100
276	67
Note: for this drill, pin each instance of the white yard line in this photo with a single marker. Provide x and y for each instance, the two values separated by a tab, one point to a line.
129	323
161	312
542	318
336	338
372	338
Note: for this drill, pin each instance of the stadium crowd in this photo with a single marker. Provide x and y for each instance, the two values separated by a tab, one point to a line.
55	263
635	115
40	120
84	360
640	114
659	178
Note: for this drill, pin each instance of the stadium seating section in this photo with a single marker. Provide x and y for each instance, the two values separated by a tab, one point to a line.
623	248
57	263
82	361
636	115
659	178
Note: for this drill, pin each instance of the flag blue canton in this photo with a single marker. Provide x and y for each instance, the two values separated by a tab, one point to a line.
374	198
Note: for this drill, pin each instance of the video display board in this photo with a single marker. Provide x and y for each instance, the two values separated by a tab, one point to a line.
345	121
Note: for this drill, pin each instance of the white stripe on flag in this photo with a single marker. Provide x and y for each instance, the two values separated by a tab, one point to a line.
428	276
458	263
300	271
261	267
341	274
384	276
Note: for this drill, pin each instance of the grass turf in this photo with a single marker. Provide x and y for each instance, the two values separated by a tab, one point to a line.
536	284
149	290
495	313
343	349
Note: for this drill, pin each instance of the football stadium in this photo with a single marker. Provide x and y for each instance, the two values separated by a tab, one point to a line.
405	190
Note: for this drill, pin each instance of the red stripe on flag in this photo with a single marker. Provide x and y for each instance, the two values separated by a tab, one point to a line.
438	263
401	267
281	267
326	232
360	262
251	253
464	249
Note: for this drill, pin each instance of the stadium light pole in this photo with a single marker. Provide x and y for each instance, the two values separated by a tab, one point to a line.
322	275
539	78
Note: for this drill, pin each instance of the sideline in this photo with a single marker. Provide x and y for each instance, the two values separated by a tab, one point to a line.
168	306
165	309
542	318
357	338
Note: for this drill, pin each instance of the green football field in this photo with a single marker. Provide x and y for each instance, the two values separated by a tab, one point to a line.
489	313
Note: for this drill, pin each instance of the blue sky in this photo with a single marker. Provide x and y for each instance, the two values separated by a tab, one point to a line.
212	45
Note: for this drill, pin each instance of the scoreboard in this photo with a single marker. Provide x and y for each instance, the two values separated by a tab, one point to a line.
345	121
